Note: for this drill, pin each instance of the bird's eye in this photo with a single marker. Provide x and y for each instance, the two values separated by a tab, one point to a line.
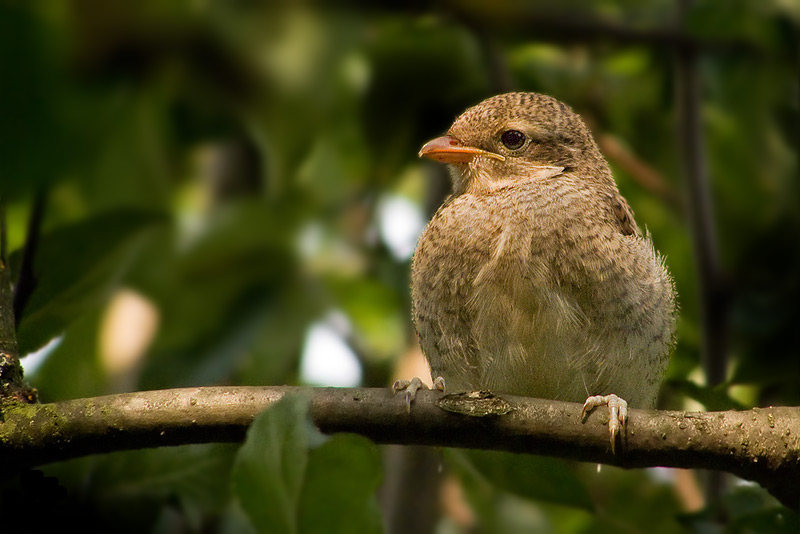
513	139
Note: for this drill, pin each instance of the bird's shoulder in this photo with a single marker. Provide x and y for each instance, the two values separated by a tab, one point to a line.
623	215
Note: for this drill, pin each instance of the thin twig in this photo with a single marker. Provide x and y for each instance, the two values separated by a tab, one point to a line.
711	280
3	235
524	20
11	383
639	170
26	279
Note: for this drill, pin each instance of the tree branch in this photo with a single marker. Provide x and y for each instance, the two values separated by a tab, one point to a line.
523	19
762	444
11	383
639	170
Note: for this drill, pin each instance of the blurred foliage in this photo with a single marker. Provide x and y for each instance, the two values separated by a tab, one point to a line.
228	160
289	478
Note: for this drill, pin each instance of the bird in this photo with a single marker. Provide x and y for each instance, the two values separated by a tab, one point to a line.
532	278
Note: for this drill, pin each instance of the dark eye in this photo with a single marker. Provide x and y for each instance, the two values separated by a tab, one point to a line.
513	139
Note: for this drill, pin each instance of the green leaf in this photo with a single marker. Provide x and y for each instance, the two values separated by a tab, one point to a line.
218	296
190	474
752	509
269	469
283	486
374	309
342	478
131	489
73	369
635	500
532	477
713	398
35	141
75	267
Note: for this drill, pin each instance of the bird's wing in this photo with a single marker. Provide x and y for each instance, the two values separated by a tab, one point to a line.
624	216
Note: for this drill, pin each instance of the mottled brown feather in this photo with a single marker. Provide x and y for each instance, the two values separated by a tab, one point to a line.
533	277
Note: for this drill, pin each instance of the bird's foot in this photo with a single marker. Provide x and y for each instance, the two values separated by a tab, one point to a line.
410	387
617	414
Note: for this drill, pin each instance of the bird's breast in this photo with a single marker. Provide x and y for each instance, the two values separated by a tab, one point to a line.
534	296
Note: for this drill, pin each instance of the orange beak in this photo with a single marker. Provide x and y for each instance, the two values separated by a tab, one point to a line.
448	149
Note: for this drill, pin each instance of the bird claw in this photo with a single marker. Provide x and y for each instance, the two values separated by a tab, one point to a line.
617	414
410	387
438	383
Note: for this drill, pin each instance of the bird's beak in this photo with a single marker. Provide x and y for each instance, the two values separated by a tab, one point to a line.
448	149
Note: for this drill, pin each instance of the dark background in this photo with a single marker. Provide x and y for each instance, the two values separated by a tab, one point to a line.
213	179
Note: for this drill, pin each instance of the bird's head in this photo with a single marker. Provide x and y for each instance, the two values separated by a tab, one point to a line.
515	137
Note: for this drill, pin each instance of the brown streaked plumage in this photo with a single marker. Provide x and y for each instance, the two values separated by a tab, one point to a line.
532	278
